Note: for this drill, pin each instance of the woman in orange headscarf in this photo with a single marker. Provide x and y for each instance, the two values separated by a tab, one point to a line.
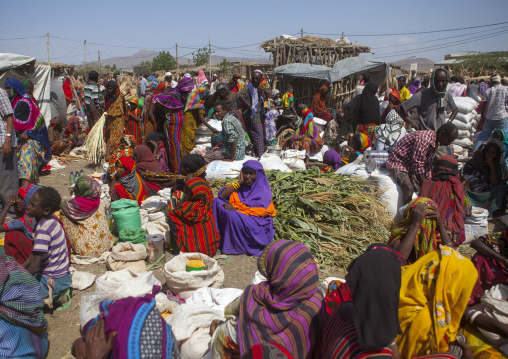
393	102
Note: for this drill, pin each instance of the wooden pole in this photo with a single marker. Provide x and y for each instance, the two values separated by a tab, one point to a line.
210	55
301	34
85	55
49	64
176	46
78	104
99	56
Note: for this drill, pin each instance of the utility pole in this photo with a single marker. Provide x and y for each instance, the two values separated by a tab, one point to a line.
48	51
99	56
176	46
210	55
85	55
301	33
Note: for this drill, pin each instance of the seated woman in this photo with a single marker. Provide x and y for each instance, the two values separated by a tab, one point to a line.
331	161
502	137
84	220
23	328
306	137
368	323
145	160
486	173
393	102
446	189
286	309
243	212
192	224
434	293
421	230
390	132
131	327
133	120
155	142
59	144
357	144
19	232
124	148
318	105
73	131
128	183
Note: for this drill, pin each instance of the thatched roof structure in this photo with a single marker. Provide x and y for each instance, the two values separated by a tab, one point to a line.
311	50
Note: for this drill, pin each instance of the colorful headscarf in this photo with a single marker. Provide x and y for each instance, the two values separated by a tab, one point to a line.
288	307
131	185
434	293
171	98
146	161
307	119
108	101
396	94
86	201
141	330
197	98
445	185
20	302
363	140
27	117
428	236
24	224
201	78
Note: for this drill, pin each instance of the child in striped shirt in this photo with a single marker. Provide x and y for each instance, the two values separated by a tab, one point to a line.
49	261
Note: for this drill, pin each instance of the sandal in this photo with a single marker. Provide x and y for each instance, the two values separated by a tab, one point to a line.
67	304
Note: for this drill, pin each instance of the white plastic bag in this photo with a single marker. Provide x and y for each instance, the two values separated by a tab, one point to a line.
215	298
271	161
126	281
221	169
180	281
82	280
186	318
479	216
392	194
353	169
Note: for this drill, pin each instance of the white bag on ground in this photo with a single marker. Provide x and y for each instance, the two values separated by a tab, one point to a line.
215	298
496	306
465	104
127	255
271	161
221	169
186	318
478	216
392	194
180	281
353	169
126	281
81	280
294	159
197	345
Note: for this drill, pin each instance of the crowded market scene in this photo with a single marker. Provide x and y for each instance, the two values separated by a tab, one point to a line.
323	201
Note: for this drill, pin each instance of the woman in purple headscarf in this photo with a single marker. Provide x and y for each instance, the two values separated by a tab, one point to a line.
172	102
243	212
415	87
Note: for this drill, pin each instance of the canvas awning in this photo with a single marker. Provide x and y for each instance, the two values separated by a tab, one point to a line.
304	71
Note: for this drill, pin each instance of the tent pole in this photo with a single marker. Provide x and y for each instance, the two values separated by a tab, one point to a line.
77	99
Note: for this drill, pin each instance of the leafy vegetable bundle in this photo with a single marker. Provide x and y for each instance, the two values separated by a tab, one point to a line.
337	217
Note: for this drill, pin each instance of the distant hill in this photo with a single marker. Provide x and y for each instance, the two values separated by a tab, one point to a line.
128	62
423	63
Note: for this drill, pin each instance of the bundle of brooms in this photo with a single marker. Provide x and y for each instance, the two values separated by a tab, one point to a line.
94	144
337	217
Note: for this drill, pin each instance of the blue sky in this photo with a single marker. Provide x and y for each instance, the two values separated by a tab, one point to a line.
121	28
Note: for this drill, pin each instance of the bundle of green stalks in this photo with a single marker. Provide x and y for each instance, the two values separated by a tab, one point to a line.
337	217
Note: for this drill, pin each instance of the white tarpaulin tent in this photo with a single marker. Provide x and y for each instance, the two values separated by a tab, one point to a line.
24	67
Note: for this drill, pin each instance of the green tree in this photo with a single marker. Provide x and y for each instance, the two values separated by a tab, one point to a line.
143	68
163	61
201	56
492	62
224	65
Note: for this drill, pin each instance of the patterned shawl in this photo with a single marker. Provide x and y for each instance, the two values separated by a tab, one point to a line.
20	303
146	161
108	101
24	224
288	308
427	237
444	185
27	117
390	132
171	98
86	201
318	104
131	186
197	99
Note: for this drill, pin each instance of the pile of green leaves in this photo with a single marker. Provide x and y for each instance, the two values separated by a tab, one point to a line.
337	217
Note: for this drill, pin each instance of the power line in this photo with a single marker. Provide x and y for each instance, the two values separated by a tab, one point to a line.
434	40
442	46
22	38
410	33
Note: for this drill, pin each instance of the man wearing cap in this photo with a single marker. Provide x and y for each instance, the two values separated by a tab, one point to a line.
168	77
403	91
494	114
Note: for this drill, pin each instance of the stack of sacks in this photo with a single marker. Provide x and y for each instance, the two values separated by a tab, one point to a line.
204	136
153	214
466	121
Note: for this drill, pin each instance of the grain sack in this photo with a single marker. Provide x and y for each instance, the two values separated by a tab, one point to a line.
465	104
127	256
462	125
126	213
466	118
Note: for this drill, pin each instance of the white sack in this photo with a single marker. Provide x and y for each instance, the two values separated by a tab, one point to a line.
465	117
462	125
463	142
392	195
354	170
221	169
186	318
126	281
82	280
465	104
215	298
271	161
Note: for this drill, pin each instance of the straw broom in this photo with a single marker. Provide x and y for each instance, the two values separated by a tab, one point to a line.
94	144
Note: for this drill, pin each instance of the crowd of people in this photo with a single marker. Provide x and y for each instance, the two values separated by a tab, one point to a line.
414	297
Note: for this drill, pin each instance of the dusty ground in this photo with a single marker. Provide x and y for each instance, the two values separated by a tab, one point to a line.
64	326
